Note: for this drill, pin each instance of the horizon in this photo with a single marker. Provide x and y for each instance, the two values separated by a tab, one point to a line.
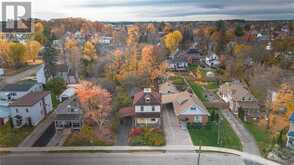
163	10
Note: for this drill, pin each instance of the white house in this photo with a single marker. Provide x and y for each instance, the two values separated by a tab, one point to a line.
1	72
212	60
147	106
40	75
30	109
105	40
19	89
12	92
68	93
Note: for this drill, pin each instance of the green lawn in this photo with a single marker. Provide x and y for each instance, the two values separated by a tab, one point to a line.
179	82
212	85
11	137
208	136
198	90
262	136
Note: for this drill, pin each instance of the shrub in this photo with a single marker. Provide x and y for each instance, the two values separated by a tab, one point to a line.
146	136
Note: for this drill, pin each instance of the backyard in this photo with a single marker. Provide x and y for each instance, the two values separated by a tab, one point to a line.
11	137
208	135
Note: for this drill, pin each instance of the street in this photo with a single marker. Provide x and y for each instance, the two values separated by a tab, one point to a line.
140	158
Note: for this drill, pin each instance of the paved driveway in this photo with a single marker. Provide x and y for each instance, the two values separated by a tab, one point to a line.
122	133
173	133
248	142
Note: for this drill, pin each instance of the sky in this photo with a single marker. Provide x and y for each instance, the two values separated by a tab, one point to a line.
163	10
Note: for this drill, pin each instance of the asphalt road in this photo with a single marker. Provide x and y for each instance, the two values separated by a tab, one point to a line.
154	158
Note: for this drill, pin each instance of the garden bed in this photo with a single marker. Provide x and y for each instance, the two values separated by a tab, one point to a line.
146	137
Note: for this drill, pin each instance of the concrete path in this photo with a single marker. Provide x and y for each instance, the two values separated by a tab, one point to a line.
19	76
59	138
248	142
173	133
30	140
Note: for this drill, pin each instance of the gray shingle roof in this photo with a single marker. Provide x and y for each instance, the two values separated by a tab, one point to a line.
19	86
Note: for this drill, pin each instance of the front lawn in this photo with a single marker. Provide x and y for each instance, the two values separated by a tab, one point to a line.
198	90
208	135
11	137
178	82
146	137
262	136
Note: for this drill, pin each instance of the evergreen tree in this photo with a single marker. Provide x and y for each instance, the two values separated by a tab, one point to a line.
50	59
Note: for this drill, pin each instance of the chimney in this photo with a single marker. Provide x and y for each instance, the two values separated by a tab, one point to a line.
147	90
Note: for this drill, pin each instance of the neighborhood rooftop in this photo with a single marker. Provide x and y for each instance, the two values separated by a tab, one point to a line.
30	99
19	86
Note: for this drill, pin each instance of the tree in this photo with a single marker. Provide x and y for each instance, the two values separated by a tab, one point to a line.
5	58
133	35
32	50
96	102
17	54
49	55
56	85
89	51
239	32
172	40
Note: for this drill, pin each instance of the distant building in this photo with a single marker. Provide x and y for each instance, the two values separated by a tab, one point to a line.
69	115
30	109
1	72
212	60
239	98
290	135
105	40
177	63
40	75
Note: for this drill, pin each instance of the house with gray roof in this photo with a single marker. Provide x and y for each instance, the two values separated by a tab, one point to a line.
69	115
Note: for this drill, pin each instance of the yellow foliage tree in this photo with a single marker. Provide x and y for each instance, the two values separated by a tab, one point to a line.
39	27
89	51
284	100
133	35
32	50
5	58
172	40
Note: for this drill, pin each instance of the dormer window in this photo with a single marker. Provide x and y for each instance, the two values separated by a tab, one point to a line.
142	108
147	99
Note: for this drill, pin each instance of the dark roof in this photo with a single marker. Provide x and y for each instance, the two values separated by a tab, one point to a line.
68	117
292	117
126	112
139	98
148	114
29	99
19	86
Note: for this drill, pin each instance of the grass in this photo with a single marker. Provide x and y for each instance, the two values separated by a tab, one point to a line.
11	137
262	136
208	136
212	85
198	90
179	82
55	101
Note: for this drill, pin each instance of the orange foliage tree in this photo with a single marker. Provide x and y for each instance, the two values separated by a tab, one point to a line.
96	103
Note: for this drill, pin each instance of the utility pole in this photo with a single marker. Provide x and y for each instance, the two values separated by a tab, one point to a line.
199	152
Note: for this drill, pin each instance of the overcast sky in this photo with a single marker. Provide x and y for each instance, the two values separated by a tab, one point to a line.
163	10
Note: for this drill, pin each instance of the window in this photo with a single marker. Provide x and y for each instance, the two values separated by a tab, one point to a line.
153	119
27	110
16	110
142	108
153	108
147	99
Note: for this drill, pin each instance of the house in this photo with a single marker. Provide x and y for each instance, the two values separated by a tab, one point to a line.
145	111
40	75
105	40
239	98
212	60
147	106
177	63
290	135
69	115
193	56
187	107
19	89
30	109
62	71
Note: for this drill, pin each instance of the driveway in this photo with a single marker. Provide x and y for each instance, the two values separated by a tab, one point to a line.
173	133
248	142
123	132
